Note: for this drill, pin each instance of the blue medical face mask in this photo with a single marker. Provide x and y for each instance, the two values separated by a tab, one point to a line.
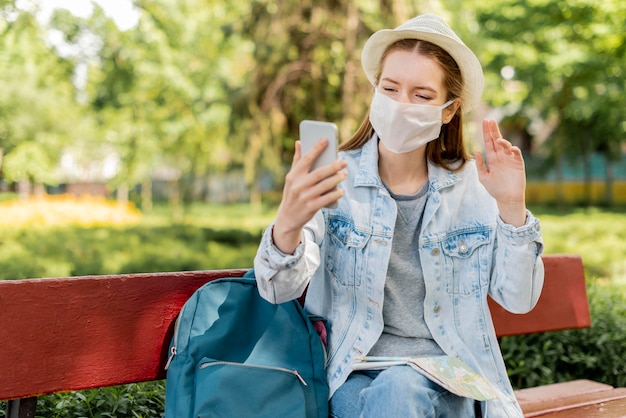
404	127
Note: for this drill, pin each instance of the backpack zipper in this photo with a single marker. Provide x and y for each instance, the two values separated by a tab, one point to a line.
174	344
255	366
171	357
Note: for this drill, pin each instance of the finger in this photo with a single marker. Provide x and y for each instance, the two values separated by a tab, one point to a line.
325	196
297	154
328	170
494	129
313	192
488	137
481	167
315	151
332	182
332	197
515	152
305	161
480	161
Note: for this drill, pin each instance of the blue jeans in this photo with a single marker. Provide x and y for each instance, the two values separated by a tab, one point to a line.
396	392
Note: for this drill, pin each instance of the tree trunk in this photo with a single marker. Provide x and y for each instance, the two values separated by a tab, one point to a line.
122	194
609	178
588	178
176	201
146	196
39	190
587	157
256	199
23	189
558	169
349	80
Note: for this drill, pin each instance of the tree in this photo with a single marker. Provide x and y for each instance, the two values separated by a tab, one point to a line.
565	64
306	59
37	107
161	90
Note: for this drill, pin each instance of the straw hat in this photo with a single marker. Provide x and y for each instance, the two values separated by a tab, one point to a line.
431	28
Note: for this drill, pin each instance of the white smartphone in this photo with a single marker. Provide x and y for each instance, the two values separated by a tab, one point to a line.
312	131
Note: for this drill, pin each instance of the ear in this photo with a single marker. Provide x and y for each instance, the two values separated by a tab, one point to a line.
450	111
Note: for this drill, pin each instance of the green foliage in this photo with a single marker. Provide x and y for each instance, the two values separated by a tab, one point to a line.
201	86
7	197
595	353
139	400
78	251
599	236
565	80
37	108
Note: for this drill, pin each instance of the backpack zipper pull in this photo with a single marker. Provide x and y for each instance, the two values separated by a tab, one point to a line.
300	377
171	357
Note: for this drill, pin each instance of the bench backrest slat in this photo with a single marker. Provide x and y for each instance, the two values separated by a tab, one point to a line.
562	305
95	331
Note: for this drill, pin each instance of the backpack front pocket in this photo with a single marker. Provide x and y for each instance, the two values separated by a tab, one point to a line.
228	389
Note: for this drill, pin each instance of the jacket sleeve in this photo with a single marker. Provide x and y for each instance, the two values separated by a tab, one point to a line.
517	276
282	277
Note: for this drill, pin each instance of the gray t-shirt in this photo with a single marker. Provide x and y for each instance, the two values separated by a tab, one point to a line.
405	332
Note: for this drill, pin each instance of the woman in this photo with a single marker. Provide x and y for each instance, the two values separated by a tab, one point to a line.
421	235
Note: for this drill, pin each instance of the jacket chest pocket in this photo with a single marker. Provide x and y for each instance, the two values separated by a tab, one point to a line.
345	251
467	262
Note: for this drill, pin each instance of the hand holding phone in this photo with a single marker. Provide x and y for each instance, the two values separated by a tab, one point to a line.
312	131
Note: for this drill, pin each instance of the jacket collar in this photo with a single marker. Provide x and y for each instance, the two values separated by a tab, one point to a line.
367	174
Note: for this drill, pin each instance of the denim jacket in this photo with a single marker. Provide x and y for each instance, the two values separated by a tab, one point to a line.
467	252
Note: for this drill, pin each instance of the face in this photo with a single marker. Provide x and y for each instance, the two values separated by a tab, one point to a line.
409	77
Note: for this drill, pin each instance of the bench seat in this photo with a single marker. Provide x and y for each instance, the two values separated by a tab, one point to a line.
575	399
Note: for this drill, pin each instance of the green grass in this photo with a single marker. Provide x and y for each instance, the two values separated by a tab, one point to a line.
77	251
236	216
209	237
598	235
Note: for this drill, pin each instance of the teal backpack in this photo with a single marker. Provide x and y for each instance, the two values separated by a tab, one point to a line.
235	355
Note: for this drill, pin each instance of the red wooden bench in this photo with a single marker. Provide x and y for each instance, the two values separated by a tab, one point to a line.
76	333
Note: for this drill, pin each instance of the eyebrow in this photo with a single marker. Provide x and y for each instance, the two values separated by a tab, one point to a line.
415	87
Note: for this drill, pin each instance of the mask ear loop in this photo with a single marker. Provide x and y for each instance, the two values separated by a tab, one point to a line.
446	104
443	107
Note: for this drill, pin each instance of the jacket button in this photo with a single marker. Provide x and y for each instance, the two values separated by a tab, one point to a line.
437	309
435	251
463	249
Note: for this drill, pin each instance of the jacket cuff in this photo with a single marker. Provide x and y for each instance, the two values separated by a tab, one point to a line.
530	231
275	258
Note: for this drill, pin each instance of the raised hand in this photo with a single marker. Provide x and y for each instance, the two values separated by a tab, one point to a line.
304	194
503	174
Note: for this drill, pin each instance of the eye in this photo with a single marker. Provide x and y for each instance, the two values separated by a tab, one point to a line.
423	97
388	89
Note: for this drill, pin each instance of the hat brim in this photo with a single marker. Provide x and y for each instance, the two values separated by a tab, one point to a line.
468	63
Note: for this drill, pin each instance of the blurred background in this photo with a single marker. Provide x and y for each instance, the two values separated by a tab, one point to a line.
154	135
200	100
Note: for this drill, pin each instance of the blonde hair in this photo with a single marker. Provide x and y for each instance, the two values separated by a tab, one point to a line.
449	148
